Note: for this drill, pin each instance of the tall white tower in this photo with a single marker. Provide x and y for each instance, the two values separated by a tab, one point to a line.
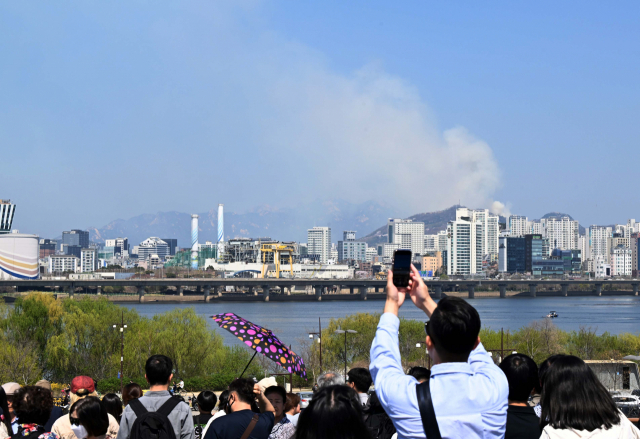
194	242
220	230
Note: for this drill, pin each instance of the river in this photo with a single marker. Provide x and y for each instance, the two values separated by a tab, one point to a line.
291	321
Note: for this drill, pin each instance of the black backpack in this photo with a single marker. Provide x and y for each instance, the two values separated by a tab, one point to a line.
153	425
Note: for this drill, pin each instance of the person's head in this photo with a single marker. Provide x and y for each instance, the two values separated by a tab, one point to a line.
330	379
223	401
359	379
334	412
206	401
113	404
522	375
4	406
44	384
33	405
131	391
158	370
240	394
573	397
89	418
452	331
81	387
542	370
292	405
277	396
420	373
10	389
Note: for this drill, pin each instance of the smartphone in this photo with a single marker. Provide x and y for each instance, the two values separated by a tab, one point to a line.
401	268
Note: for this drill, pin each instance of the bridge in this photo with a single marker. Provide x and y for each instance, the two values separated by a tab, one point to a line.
359	289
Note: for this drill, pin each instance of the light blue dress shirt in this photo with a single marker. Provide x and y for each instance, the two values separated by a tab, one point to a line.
469	399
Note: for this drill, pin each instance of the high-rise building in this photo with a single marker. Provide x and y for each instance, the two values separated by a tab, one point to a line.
620	261
518	225
512	257
47	248
319	243
173	244
537	228
88	260
62	263
441	244
407	234
599	242
152	246
120	245
350	249
7	210
465	247
534	251
76	237
490	229
430	243
583	246
562	233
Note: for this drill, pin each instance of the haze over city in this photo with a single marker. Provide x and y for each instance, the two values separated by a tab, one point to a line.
114	110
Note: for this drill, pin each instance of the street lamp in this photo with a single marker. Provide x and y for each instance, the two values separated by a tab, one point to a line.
319	334
345	332
122	328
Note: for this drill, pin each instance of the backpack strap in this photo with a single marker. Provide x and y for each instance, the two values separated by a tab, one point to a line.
250	427
428	415
138	408
168	406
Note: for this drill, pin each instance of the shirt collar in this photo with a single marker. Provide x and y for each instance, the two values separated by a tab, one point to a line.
445	368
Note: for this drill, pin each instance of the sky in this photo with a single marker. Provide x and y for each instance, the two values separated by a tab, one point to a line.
113	109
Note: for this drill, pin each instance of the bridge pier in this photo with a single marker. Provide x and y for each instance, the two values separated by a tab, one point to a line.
598	289
437	291
363	293
318	289
351	290
265	293
99	290
635	289
532	290
503	290
181	291
472	290
140	293
70	291
207	293
565	289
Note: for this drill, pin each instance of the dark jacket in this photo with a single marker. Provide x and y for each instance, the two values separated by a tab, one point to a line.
377	420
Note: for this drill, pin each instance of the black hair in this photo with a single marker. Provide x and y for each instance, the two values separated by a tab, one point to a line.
33	405
207	401
542	370
573	397
131	391
334	412
4	406
279	390
158	369
420	373
92	415
361	378
223	401
454	327
244	388
113	404
522	375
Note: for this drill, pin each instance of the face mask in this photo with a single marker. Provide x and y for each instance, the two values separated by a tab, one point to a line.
79	431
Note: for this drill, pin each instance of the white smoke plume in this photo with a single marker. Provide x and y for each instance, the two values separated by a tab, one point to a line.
500	209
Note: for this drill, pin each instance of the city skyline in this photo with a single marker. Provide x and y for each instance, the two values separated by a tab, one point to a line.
127	109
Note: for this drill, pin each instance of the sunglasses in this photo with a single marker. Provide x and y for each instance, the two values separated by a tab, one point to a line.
426	328
74	421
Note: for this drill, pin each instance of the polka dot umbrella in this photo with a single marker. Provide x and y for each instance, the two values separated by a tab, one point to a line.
262	341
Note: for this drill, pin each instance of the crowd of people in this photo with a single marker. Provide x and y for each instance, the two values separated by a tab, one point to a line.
463	395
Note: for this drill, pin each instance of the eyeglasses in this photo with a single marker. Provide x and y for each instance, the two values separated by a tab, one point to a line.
426	328
74	421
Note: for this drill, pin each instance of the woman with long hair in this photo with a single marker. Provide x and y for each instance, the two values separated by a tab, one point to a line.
113	403
575	404
335	412
89	419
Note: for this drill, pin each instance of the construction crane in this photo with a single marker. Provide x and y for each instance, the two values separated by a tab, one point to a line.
277	250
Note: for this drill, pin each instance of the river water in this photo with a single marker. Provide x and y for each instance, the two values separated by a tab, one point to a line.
291	321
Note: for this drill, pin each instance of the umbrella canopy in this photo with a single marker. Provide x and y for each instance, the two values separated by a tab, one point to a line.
263	341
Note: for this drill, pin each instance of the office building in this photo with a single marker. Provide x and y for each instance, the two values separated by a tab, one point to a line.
621	261
47	248
88	260
172	243
350	249
571	259
73	250
407	234
442	241
64	263
432	263
319	243
120	245
430	243
152	246
7	211
512	254
76	237
534	250
599	243
371	253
